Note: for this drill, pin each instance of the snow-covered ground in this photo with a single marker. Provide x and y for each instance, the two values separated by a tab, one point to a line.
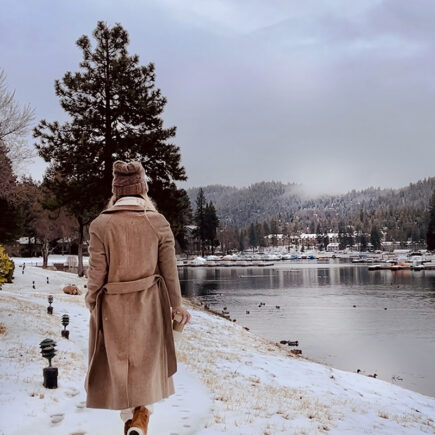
229	380
56	258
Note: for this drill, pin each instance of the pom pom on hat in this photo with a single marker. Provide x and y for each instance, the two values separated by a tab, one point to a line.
129	179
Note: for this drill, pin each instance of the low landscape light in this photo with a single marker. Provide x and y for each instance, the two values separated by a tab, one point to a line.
50	301
48	351
65	323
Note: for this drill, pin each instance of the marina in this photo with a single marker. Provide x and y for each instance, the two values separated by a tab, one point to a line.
374	261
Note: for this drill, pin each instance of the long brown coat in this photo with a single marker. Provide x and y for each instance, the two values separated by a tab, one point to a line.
132	283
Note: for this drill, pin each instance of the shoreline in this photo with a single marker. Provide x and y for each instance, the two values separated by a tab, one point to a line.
283	347
200	306
263	373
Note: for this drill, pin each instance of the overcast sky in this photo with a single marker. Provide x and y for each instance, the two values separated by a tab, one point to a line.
332	94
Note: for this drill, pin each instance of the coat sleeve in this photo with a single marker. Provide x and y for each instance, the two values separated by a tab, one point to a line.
168	263
98	267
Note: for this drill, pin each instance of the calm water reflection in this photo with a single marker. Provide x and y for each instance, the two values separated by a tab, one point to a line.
316	307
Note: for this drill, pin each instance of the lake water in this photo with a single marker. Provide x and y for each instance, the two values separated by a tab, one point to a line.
316	308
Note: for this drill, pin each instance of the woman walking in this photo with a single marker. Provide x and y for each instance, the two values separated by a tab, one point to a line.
132	285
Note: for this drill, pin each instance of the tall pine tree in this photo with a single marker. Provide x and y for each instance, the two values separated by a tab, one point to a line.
200	219
211	224
375	238
260	235
10	220
114	113
253	238
241	235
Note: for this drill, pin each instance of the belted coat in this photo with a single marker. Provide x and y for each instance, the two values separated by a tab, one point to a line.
132	285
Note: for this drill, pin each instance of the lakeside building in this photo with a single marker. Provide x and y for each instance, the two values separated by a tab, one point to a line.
332	237
332	247
309	240
276	239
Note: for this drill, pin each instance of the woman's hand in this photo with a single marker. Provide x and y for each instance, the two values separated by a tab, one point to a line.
183	312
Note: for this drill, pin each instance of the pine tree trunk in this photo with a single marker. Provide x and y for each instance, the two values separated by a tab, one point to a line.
45	252
80	269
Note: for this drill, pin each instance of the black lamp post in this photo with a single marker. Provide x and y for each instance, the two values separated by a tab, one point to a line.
48	351
65	323
50	301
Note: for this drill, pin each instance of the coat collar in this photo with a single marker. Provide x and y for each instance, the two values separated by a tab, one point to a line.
116	208
130	200
130	204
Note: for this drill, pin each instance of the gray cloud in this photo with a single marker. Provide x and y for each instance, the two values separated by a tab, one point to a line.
331	94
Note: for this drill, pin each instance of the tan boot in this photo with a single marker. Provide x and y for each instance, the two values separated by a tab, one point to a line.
127	426
139	424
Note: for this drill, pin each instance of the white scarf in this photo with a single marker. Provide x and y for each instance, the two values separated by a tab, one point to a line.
146	202
130	200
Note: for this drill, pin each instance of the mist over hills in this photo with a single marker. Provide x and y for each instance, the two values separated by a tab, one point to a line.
265	201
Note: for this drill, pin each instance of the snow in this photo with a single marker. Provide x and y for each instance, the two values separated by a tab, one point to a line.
27	407
199	260
37	261
230	257
228	380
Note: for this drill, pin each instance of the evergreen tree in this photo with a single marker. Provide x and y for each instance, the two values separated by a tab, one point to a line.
349	236
375	238
320	238
8	180
342	240
241	240
260	235
200	219
10	219
114	113
430	235
312	227
10	222
211	222
253	239
363	242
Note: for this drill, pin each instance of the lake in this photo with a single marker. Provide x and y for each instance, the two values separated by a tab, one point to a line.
390	331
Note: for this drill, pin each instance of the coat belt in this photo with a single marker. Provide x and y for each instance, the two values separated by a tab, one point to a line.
122	287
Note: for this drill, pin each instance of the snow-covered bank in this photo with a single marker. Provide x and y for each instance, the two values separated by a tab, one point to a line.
229	380
27	407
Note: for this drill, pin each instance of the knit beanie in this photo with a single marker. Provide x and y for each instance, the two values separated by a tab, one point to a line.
129	179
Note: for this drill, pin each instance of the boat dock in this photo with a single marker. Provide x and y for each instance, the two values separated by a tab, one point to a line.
394	267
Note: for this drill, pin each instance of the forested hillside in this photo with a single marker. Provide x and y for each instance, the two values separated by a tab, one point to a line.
403	212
